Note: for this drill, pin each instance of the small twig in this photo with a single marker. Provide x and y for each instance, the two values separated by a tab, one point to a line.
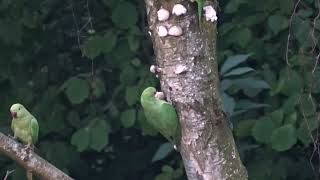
7	174
76	24
314	39
289	34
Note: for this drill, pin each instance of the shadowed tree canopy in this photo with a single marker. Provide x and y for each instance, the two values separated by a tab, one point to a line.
80	67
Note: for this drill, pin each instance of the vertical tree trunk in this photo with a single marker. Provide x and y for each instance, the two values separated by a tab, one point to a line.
189	78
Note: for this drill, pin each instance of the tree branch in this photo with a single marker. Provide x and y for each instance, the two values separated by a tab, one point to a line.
30	160
189	78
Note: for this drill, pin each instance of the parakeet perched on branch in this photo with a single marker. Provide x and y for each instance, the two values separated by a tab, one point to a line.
161	115
25	127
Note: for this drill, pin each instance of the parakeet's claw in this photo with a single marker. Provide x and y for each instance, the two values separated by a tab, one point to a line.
12	137
29	147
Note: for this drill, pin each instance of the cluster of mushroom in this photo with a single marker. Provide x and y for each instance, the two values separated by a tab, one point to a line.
164	15
178	10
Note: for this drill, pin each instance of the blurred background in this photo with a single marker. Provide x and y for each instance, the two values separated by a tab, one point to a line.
80	66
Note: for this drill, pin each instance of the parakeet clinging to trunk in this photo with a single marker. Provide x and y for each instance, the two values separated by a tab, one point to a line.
161	115
24	126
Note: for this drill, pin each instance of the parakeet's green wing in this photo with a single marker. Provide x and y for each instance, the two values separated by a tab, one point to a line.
34	129
168	122
169	114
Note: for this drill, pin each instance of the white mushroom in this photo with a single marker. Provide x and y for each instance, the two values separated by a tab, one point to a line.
175	31
210	13
163	14
162	31
153	69
179	9
180	69
159	96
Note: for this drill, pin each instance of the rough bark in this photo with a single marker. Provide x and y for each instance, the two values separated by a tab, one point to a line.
30	160
207	146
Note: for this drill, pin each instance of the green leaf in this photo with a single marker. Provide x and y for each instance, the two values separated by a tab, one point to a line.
247	104
163	151
93	46
99	132
277	117
307	105
283	138
251	83
128	118
164	176
232	62
243	128
74	119
110	41
98	87
238	71
262	130
134	43
277	88
11	32
293	82
225	84
98	44
81	139
290	103
55	118
228	104
291	118
125	15
233	6
305	130
300	29
77	90
286	6
128	75
242	37
277	23
167	168
132	95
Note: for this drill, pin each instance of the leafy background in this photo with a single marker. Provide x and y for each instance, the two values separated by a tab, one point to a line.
80	67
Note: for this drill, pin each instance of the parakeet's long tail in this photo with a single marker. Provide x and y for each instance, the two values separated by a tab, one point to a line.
29	175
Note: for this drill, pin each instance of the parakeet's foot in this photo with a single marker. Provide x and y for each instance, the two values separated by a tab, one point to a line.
29	147
12	137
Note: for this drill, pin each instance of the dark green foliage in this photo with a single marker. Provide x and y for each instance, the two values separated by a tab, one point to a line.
80	67
277	135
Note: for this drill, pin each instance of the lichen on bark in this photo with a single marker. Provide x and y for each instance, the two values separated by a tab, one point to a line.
207	146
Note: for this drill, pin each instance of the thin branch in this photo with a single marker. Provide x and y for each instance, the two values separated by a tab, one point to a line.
8	174
289	34
30	160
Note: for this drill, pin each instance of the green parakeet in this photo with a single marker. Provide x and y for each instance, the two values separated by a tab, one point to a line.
24	126
161	115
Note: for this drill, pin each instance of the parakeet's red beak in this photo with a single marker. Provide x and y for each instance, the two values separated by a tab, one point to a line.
14	114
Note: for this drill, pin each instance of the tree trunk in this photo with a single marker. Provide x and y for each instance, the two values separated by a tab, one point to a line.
189	78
